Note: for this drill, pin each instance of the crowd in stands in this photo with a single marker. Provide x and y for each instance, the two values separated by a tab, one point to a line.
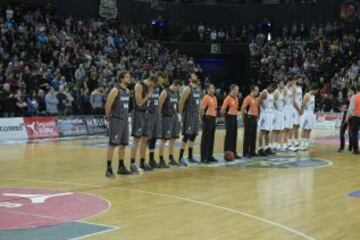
53	66
67	66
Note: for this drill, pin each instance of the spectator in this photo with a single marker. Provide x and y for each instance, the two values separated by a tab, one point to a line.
7	101
96	100
62	101
51	102
21	108
33	104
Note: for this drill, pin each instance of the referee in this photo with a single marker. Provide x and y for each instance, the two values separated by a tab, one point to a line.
354	112
230	110
250	114
208	114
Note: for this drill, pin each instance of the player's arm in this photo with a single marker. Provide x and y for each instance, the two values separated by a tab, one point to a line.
305	101
203	106
276	95
185	95
244	106
139	100
109	102
262	97
224	106
162	99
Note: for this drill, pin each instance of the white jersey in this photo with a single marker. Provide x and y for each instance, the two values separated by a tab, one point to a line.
298	95
280	101
268	103
288	98
310	105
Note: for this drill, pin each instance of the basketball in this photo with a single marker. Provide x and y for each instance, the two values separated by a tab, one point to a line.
229	156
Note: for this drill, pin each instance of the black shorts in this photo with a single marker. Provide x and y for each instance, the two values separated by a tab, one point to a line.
190	123
118	131
170	128
154	126
140	124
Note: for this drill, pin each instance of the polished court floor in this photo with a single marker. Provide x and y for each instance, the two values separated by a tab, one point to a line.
199	202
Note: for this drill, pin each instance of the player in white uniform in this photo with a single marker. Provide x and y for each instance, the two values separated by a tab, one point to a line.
278	123
266	102
308	117
297	103
288	115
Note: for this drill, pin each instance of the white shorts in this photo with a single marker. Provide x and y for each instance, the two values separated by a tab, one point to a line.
266	121
279	121
296	117
308	120
288	118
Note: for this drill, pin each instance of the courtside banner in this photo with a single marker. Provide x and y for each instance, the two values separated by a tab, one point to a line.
328	120
95	125
41	127
12	128
72	126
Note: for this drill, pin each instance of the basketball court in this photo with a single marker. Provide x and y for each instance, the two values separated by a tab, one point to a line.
57	190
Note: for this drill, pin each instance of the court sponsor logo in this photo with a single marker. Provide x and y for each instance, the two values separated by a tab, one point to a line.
32	208
12	128
41	127
279	161
355	194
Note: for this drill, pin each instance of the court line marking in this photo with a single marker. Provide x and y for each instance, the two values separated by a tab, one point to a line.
238	212
111	228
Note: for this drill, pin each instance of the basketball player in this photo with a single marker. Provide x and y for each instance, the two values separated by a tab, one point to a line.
288	115
297	94
266	102
189	106
170	121
279	125
154	119
140	122
308	117
116	112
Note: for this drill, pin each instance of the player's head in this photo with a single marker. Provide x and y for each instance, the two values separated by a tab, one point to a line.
211	89
234	90
175	86
280	84
124	77
299	80
314	88
271	87
161	78
193	78
152	81
254	90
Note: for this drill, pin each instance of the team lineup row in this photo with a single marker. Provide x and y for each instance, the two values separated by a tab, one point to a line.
161	114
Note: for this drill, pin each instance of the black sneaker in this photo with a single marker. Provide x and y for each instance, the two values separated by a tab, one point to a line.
213	160
163	165
237	156
146	167
134	169
172	162
340	150
109	173
123	171
205	161
262	153
268	151
154	164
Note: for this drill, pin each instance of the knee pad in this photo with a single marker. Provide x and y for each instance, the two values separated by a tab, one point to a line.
192	138
152	143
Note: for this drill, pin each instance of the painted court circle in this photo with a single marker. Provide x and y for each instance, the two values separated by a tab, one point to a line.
31	208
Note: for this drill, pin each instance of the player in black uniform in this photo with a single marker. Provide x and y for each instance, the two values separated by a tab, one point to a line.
170	121
189	107
116	112
155	120
140	122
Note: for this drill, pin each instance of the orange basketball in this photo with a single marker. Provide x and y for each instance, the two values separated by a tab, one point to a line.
229	156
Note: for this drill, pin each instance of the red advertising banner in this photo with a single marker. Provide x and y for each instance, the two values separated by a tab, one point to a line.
41	127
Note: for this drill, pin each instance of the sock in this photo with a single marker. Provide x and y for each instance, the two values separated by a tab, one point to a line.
142	160
171	157
151	156
161	158
121	163
132	160
190	153
109	164
181	153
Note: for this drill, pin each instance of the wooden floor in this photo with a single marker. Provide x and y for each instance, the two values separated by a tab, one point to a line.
199	203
